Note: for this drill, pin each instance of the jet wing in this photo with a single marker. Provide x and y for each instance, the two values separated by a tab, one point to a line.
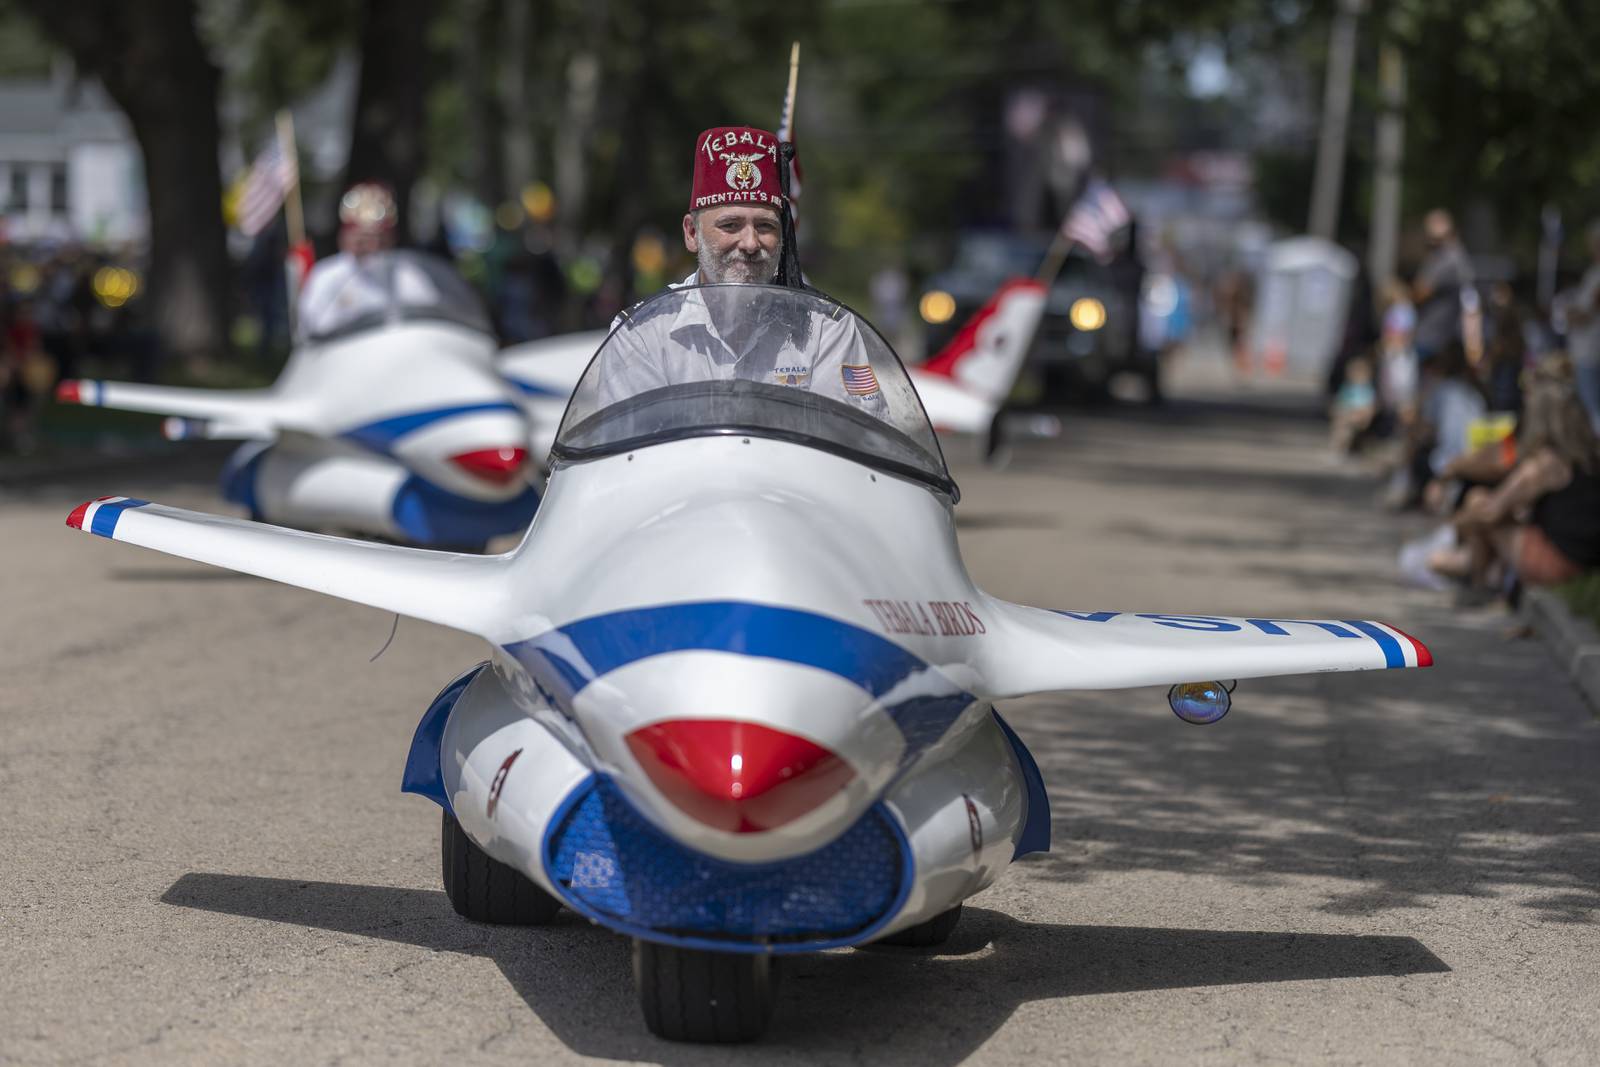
207	412
465	592
1031	650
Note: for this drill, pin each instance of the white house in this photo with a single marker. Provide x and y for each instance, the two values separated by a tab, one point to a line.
70	168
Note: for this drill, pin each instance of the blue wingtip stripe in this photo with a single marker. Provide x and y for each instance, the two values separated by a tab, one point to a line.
1393	654
106	515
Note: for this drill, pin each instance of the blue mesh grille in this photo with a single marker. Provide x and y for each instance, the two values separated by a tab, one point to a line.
610	859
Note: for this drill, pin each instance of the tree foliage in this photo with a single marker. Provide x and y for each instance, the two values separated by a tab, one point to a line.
1502	104
152	62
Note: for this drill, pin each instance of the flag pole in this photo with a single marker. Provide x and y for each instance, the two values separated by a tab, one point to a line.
794	80
293	212
294	215
1055	258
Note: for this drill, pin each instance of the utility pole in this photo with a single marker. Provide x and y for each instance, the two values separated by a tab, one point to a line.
1335	118
1384	239
513	91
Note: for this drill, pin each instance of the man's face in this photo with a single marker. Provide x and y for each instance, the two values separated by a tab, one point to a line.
734	244
364	240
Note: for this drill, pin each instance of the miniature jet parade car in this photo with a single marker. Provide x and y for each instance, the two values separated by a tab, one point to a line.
396	424
740	696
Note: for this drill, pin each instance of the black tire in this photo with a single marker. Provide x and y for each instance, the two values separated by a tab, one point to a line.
926	934
691	995
485	890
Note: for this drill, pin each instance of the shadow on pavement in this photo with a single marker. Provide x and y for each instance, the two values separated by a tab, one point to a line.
180	574
1005	520
927	1006
1455	781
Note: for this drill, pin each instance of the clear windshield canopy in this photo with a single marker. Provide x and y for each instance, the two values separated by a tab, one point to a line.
754	360
394	285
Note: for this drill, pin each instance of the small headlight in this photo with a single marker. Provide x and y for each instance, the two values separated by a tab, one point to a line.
937	306
1200	703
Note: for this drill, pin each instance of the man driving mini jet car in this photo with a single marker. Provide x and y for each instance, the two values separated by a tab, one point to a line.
739	701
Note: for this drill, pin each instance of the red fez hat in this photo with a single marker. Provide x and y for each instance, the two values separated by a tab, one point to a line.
736	165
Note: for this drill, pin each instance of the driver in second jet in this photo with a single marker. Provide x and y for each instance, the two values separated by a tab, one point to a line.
733	228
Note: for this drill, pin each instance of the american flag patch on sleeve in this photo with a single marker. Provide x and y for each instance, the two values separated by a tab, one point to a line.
859	379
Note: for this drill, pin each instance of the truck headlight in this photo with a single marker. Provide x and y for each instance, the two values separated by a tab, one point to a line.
937	306
1087	314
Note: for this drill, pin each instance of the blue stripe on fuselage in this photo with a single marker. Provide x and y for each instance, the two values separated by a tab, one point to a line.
380	436
534	388
567	659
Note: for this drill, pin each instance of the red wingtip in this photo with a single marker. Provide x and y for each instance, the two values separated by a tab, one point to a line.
1424	657
75	520
69	391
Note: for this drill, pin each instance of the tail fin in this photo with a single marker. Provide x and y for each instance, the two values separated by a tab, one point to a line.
986	354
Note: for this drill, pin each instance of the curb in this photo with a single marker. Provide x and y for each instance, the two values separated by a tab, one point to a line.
1574	641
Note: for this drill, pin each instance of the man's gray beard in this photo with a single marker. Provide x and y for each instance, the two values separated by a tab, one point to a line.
735	267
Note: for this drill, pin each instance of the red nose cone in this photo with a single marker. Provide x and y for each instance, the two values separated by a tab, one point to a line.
737	776
498	465
68	392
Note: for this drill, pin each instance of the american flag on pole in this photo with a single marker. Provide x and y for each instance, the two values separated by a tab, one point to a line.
1095	216
271	177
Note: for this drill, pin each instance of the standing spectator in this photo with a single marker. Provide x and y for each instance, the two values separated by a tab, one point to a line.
1583	329
28	375
1235	302
1445	275
1397	355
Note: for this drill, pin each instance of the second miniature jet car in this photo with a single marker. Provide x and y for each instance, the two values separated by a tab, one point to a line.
739	701
395	425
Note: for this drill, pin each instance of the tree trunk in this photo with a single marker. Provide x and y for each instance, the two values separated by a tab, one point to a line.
151	61
386	144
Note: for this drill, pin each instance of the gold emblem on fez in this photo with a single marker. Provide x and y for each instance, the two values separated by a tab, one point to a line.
742	170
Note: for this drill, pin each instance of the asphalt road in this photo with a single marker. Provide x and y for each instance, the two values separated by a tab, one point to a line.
207	857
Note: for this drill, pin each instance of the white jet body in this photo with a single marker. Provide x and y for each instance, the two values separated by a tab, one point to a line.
731	562
544	373
397	426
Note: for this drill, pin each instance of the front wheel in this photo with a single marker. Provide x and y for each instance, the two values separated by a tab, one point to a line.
483	889
693	995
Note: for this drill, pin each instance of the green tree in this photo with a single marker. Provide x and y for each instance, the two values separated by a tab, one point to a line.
153	64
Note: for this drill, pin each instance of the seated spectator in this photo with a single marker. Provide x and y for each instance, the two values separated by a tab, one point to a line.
1506	354
1354	407
1450	401
1541	524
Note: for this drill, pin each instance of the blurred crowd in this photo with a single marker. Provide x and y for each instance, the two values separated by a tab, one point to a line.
1482	410
60	305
